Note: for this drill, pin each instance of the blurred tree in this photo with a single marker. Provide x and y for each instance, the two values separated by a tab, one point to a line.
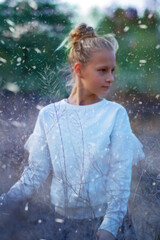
139	53
32	29
30	32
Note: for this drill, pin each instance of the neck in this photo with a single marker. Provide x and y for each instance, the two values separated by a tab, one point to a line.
79	96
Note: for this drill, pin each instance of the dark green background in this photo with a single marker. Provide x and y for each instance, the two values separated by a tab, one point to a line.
29	36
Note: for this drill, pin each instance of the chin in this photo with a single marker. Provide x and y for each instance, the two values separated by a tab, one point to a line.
102	94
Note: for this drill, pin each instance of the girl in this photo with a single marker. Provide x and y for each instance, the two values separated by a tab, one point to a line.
87	141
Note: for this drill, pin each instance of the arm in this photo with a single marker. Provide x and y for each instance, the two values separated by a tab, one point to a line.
121	155
37	171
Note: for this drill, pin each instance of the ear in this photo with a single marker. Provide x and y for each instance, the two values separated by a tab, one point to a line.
77	68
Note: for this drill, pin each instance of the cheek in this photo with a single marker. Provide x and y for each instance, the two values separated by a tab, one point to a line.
95	84
94	80
98	80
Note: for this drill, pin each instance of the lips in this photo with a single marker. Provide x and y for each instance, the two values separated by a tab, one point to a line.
106	87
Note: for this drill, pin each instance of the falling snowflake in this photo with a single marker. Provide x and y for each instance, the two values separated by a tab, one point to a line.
33	4
10	22
18	124
3	60
126	29
13	87
37	50
42	147
59	220
19	59
74	194
39	107
11	29
26	207
143	26
142	61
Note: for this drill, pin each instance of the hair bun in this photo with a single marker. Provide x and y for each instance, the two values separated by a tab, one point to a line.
110	37
81	31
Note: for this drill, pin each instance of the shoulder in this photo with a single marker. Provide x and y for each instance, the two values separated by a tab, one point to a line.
47	114
49	109
117	107
121	121
46	109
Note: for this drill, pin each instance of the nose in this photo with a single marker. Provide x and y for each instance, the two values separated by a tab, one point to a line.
110	78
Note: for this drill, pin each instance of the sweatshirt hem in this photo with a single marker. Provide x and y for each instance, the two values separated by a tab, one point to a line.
82	212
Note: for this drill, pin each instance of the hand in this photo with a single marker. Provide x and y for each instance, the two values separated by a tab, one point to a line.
104	235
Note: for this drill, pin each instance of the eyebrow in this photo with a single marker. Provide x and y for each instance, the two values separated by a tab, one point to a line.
103	66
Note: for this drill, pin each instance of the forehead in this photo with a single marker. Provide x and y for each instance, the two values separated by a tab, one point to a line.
102	57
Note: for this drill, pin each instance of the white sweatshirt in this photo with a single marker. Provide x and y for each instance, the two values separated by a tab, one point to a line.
91	149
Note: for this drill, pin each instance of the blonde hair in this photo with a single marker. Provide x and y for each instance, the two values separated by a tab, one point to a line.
83	41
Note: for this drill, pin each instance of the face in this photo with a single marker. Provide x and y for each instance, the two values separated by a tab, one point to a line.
98	74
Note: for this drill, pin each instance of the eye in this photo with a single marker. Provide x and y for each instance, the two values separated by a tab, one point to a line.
113	70
102	70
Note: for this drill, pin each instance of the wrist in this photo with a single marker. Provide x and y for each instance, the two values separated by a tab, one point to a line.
107	234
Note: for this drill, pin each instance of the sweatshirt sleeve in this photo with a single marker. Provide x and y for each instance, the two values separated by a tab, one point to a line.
39	164
125	149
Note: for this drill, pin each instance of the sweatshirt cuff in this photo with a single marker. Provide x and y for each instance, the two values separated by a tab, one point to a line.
111	225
